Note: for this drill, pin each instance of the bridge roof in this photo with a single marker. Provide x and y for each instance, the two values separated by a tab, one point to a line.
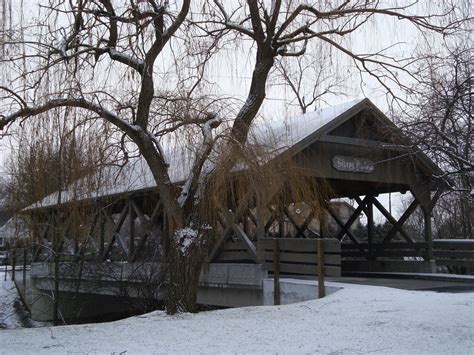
279	137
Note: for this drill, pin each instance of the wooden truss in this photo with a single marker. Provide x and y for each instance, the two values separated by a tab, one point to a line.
123	231
244	226
134	229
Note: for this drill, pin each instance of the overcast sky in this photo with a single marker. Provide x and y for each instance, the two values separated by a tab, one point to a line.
231	70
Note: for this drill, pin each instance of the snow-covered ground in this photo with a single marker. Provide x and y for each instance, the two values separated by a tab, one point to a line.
9	318
354	320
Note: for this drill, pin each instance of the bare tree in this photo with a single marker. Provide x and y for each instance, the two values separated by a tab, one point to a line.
310	78
110	54
441	125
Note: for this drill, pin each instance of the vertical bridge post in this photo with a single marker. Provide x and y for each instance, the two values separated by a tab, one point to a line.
24	266
320	251
428	235
276	271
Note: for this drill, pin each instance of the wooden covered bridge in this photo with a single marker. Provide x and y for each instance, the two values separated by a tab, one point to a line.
354	148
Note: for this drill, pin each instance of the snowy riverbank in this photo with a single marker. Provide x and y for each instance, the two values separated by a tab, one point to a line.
355	320
9	303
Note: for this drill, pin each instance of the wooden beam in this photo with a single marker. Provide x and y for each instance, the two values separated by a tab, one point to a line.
299	229
342	226
140	246
262	227
281	226
322	221
240	211
300	256
122	243
266	225
350	221
391	219
370	227
396	227
359	142
245	240
428	235
230	219
158	208
389	246
147	225
303	257
89	235
276	271
102	234
320	254
369	211
434	199
305	224
131	215
422	193
252	217
117	228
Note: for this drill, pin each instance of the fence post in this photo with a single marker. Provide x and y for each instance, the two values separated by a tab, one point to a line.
428	235
276	271
13	264
260	251
321	289
24	267
6	267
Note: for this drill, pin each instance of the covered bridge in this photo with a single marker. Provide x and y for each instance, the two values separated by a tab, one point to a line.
354	148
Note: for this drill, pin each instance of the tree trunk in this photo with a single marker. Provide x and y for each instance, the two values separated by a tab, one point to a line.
185	259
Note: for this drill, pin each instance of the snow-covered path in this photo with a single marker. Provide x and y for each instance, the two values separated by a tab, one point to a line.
355	320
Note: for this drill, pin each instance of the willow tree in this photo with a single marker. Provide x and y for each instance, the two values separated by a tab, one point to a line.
118	56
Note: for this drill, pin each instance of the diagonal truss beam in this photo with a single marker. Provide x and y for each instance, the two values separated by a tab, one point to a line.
398	225
115	233
392	220
345	228
229	224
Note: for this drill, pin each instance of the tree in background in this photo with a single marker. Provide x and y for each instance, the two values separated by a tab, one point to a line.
441	124
49	157
310	83
54	156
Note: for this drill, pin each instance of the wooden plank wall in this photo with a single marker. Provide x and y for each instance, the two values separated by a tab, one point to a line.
392	249
299	256
454	252
234	251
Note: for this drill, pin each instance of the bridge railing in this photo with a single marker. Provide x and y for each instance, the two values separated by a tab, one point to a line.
454	253
385	250
300	256
297	256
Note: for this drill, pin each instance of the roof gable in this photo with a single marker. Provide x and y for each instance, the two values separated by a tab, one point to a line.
293	134
369	126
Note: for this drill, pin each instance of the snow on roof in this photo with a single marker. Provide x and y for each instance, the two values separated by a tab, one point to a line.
111	180
283	134
276	136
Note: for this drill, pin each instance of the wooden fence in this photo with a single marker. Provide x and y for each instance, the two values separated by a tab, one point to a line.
454	252
299	256
294	256
393	249
234	250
